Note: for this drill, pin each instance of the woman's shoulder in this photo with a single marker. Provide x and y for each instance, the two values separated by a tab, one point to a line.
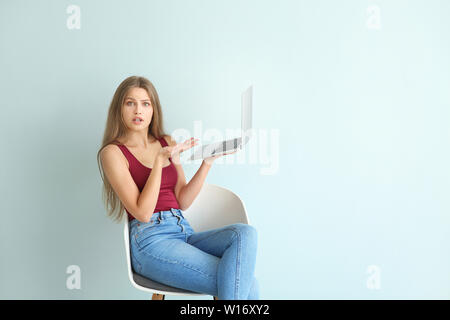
110	149
115	145
115	153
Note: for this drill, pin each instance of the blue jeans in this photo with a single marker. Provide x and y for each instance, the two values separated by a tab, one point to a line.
218	262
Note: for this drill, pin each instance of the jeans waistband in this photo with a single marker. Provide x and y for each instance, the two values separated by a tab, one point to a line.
167	213
161	215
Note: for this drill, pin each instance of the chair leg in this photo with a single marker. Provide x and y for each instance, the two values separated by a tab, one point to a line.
157	296
215	298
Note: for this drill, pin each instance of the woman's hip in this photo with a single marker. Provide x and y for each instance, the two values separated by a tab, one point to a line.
163	225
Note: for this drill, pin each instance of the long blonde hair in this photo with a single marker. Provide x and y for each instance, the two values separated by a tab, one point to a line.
116	128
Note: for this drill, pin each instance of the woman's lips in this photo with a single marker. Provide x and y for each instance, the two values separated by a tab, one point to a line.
137	121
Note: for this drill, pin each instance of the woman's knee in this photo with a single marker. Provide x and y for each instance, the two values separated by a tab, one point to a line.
246	231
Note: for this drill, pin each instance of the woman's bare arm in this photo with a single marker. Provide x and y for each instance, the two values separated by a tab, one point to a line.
149	195
190	191
140	204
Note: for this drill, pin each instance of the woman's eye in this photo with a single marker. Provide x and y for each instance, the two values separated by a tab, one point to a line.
146	103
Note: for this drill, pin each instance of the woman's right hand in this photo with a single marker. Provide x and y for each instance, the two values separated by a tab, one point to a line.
174	151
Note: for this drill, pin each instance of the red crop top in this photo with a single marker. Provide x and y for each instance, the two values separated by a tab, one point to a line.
140	174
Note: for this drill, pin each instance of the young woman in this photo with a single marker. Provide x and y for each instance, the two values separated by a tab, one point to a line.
141	172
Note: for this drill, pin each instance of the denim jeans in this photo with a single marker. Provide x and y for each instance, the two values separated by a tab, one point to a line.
218	262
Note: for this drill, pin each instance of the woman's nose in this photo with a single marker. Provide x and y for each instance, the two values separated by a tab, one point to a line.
138	107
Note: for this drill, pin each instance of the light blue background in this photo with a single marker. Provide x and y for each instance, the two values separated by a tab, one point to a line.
363	117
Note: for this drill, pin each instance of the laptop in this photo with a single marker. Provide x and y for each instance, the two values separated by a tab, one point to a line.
231	145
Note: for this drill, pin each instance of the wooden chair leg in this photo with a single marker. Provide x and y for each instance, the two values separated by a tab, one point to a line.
215	298
157	296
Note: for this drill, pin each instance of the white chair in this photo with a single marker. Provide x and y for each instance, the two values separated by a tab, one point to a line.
214	207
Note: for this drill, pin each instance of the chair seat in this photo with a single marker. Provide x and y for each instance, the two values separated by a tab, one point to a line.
148	283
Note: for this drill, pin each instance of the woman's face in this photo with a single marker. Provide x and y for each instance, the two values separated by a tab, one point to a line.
137	104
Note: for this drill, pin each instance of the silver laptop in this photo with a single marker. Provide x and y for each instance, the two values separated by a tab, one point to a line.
231	145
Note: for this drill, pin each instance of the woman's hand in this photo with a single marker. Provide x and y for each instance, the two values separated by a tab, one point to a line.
174	151
210	160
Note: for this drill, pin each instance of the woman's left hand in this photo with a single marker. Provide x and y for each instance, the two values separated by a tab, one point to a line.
210	160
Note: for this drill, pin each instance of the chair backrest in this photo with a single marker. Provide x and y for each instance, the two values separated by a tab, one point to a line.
214	207
126	235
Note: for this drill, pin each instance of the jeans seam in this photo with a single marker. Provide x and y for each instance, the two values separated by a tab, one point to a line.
237	265
135	258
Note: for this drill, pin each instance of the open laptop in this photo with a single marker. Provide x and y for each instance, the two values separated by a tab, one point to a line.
231	145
